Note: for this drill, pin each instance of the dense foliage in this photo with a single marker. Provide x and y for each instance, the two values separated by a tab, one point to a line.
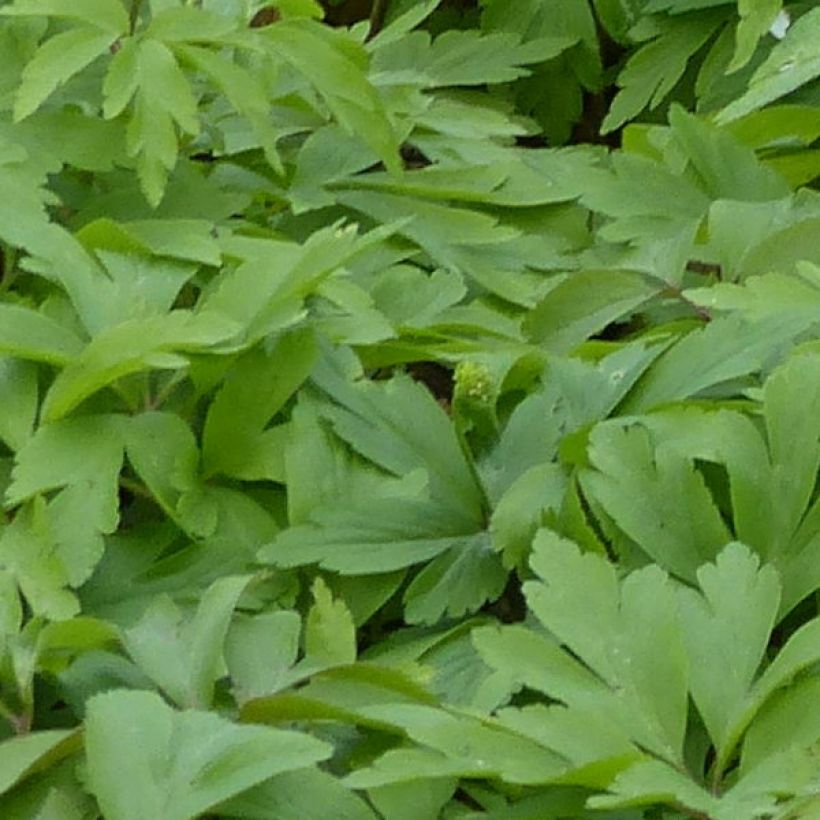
412	414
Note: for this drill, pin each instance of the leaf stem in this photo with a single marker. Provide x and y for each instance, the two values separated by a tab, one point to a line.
377	12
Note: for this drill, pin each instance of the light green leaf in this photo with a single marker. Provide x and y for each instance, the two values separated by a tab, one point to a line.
400	427
242	89
27	334
583	304
372	537
791	63
189	24
424	797
334	65
756	19
727	348
330	634
726	168
56	61
29	553
461	58
522	509
144	759
164	100
22	756
653	781
131	347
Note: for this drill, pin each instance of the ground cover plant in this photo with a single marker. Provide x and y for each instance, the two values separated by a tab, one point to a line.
409	409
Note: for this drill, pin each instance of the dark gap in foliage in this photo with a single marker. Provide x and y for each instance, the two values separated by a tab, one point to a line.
511	606
716	478
436	378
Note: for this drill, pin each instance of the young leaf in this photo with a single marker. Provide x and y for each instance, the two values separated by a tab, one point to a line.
456	582
29	553
294	795
330	635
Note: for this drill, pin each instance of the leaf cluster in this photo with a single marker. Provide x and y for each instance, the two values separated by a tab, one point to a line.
409	419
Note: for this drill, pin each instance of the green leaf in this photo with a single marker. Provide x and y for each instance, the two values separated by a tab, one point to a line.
334	65
456	582
177	765
421	797
105	14
173	25
18	410
756	19
655	495
399	426
461	58
603	622
28	551
242	89
655	69
727	169
260	650
23	756
132	347
727	348
163	451
375	536
791	63
466	746
585	303
727	629
521	511
27	334
163	101
82	459
255	390
184	657
296	795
